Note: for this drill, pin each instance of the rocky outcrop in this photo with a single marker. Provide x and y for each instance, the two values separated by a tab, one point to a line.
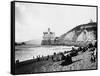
80	35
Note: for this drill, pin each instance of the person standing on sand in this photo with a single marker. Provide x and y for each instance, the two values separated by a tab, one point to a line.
93	56
68	59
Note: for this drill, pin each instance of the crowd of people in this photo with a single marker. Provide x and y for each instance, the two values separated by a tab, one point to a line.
66	56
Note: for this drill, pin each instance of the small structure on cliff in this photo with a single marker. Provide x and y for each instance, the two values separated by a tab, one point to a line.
48	37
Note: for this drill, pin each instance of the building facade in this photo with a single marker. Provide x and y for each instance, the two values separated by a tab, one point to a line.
48	37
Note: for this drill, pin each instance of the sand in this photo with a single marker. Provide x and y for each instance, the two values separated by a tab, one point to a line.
80	62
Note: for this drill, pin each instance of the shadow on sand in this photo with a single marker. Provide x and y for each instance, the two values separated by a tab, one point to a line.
65	63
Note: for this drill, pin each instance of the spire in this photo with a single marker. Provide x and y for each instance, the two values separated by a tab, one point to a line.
91	21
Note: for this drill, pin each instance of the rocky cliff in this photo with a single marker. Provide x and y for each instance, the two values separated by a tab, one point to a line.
80	35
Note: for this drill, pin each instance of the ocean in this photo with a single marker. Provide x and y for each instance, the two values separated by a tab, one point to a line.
26	53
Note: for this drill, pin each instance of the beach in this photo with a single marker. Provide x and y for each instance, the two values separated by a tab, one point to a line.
81	61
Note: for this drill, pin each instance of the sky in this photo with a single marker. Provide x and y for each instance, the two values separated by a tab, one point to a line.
32	19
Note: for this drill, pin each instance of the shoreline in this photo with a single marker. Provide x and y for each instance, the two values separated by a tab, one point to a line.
80	62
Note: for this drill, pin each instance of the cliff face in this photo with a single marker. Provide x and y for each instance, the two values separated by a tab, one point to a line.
80	34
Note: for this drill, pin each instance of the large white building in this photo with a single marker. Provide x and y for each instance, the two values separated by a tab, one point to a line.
48	37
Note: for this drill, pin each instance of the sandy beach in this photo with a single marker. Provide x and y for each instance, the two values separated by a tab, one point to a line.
80	62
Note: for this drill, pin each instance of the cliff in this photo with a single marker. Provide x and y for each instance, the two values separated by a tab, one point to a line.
80	35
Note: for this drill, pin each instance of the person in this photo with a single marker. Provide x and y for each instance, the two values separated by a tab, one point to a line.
48	57
33	57
17	61
68	60
92	57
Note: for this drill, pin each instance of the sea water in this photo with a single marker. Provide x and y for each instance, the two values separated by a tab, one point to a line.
27	53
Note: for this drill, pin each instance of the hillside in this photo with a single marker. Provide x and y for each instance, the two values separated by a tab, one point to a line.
80	34
34	42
